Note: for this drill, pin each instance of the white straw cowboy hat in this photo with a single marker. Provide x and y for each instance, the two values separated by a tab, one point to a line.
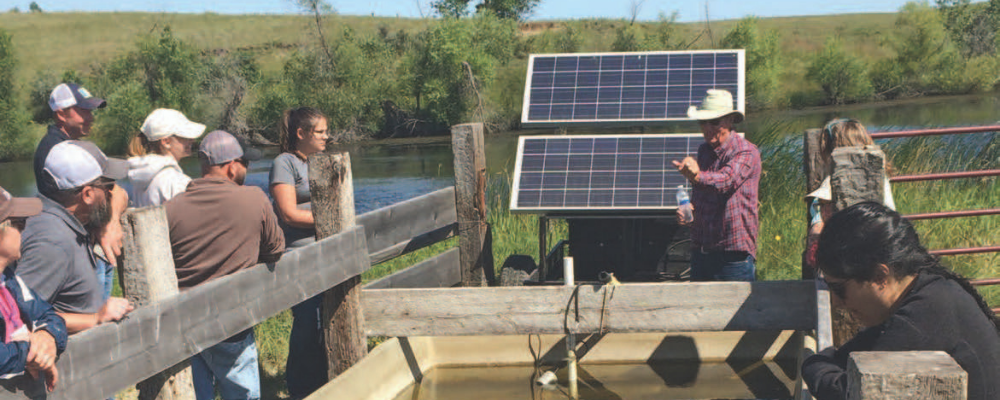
718	103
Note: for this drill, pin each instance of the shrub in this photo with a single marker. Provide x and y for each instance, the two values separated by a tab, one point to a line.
13	121
842	76
763	61
926	60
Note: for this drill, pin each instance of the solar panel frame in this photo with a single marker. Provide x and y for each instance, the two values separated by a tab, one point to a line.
607	112
603	165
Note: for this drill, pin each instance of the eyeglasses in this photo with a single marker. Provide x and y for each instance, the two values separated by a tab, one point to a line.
106	186
837	288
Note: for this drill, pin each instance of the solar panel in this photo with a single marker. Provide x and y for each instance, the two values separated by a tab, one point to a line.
599	172
565	89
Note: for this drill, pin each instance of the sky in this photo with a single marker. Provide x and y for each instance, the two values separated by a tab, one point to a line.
547	9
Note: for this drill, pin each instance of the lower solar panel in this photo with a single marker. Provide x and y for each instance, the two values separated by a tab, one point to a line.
600	172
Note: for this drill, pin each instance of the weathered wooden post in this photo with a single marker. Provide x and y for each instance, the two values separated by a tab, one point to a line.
858	176
148	276
476	254
883	375
332	188
815	170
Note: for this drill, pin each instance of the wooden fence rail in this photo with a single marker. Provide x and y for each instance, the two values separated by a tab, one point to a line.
652	307
102	361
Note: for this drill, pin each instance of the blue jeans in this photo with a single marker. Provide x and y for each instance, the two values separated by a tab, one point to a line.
722	266
231	365
306	369
105	276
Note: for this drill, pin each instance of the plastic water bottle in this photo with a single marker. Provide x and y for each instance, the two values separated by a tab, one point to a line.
684	204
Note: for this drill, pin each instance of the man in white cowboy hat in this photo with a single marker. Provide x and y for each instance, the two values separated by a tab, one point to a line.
724	181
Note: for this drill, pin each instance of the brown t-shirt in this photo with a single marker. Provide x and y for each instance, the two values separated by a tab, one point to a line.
218	227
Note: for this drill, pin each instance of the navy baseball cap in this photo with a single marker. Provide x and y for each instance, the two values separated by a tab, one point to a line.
67	95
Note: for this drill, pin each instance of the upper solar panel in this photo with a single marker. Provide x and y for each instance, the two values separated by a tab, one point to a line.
564	89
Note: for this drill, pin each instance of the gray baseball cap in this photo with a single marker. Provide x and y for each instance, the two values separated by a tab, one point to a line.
220	147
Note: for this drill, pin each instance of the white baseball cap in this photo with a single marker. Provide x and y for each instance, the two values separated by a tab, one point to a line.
67	95
75	163
164	122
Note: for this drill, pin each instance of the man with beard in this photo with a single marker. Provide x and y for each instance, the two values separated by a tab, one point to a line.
72	111
58	260
219	227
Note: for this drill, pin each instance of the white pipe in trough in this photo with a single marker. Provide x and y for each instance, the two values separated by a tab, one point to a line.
570	338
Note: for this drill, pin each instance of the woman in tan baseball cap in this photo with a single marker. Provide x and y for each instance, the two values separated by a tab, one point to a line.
33	335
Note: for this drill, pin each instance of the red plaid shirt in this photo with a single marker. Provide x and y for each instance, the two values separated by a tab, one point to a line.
725	197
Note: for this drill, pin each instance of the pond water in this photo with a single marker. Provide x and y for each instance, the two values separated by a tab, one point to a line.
386	172
674	380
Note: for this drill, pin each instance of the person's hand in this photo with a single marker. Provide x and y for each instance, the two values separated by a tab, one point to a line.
42	357
689	168
680	216
113	310
111	234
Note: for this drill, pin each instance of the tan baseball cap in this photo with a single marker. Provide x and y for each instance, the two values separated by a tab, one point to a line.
18	207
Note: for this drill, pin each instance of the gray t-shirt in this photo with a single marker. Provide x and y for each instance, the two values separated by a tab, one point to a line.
58	262
290	169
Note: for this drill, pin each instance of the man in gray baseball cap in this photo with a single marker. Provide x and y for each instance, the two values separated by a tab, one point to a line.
58	259
219	227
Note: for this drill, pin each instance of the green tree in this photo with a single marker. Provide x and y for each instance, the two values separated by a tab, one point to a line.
763	61
34	7
926	60
162	71
518	10
13	121
437	70
639	37
843	76
973	26
318	8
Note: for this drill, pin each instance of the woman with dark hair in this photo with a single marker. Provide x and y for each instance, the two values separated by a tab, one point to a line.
875	266
302	132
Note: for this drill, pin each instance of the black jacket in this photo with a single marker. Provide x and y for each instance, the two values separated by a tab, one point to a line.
936	314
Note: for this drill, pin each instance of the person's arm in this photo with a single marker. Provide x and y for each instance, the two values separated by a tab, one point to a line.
43	317
733	174
112	310
272	241
288	210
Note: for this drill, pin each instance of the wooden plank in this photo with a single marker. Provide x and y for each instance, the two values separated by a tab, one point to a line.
106	359
149	276
438	271
331	186
824	322
413	244
653	307
397	224
815	171
467	144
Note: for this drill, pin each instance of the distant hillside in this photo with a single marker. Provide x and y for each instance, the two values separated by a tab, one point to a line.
60	41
